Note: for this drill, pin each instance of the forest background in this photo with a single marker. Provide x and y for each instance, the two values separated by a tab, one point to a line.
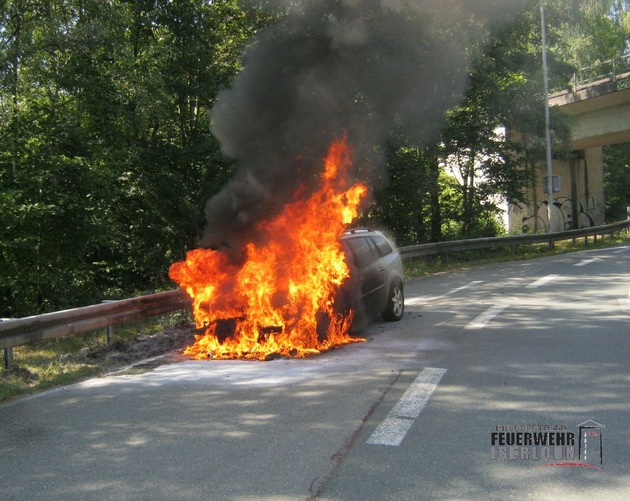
107	157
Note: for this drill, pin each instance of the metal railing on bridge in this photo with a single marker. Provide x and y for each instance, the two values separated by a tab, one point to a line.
17	332
614	70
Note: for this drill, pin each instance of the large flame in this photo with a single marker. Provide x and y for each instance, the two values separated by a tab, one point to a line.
281	300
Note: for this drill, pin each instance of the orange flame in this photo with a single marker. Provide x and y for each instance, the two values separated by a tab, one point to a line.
280	301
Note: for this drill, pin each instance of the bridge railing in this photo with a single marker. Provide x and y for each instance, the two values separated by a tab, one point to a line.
611	70
17	332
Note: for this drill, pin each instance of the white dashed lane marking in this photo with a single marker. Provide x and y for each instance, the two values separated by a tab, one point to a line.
481	321
585	262
395	426
542	281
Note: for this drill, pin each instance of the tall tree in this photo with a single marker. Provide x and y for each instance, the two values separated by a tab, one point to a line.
617	182
585	33
106	157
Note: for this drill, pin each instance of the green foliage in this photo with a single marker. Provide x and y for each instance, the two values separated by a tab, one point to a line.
586	33
106	158
404	206
617	181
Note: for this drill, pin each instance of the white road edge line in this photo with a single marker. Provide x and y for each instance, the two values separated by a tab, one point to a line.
542	281
481	321
397	423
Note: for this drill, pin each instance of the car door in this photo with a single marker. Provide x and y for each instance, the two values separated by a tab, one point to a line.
384	265
370	273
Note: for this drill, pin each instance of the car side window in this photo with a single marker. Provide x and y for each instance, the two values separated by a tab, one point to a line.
382	245
362	251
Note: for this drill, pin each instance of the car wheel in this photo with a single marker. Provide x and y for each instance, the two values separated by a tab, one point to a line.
395	303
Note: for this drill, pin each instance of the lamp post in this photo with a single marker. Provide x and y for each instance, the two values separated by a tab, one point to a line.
547	120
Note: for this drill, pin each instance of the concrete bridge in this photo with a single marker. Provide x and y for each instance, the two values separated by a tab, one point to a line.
600	113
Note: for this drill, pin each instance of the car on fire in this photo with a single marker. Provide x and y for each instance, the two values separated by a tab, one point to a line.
376	283
374	287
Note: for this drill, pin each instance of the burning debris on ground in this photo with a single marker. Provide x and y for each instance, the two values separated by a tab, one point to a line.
143	346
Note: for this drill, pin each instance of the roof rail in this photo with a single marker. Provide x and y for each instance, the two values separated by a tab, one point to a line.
358	230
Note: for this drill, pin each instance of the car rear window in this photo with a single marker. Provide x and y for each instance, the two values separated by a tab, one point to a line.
382	245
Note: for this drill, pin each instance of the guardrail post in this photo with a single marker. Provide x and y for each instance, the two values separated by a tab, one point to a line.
8	357
8	352
109	330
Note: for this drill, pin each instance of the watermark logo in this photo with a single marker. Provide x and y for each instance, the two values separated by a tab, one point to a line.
591	443
549	444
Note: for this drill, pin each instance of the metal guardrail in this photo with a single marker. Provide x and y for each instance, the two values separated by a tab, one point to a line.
67	322
490	242
25	330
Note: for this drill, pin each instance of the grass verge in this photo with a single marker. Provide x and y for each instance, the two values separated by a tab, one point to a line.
56	362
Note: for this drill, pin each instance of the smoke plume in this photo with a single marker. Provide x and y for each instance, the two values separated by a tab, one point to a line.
328	67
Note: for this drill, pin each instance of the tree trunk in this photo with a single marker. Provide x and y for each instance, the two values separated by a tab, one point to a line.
434	195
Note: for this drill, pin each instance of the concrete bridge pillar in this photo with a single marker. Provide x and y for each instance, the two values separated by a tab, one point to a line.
578	195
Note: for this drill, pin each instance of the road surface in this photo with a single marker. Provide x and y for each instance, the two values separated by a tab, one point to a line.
540	346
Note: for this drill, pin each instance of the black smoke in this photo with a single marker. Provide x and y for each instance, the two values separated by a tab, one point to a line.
327	67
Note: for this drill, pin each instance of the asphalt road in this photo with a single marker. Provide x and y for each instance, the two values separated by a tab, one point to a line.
407	415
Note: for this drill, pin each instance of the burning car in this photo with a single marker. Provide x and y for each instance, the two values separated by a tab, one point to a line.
376	282
298	287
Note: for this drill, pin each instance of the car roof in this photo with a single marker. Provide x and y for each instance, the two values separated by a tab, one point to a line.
360	231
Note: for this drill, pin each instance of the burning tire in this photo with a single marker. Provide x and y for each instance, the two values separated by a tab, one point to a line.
395	304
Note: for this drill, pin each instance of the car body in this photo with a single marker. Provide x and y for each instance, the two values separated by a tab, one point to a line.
374	287
376	283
